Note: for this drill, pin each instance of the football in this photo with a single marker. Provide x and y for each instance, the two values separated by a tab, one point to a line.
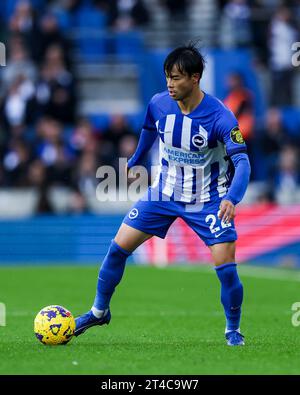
54	325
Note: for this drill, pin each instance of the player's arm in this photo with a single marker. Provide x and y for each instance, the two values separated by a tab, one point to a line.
237	188
146	140
147	137
229	133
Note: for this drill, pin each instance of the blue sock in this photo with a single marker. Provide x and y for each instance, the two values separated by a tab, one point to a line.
231	294
110	275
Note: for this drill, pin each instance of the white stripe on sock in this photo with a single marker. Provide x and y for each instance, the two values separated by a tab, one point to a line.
231	330
97	313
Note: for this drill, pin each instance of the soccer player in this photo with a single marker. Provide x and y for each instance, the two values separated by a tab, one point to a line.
204	173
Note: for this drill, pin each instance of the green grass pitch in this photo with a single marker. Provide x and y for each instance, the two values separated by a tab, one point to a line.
164	321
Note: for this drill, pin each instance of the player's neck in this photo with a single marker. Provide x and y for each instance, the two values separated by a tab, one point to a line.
189	104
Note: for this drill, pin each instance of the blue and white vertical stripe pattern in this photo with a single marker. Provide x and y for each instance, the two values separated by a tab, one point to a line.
179	176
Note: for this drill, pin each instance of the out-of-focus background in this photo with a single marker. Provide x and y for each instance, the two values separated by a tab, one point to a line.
73	94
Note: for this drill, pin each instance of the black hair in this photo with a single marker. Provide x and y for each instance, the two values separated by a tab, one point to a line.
187	58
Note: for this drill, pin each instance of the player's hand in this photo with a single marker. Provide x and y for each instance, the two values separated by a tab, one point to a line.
227	211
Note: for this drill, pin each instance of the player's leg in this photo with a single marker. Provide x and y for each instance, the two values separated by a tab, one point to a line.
145	219
220	238
130	238
111	272
223	255
110	275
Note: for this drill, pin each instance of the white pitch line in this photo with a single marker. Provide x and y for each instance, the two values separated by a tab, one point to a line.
247	271
20	314
270	273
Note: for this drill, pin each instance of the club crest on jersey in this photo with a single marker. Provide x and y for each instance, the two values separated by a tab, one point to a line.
133	213
236	136
199	141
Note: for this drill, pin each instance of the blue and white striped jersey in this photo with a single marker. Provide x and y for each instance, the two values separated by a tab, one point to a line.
194	148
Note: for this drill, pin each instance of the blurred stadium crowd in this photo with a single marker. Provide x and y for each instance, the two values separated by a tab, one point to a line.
44	139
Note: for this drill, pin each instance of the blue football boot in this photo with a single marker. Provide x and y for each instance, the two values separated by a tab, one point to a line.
86	321
234	338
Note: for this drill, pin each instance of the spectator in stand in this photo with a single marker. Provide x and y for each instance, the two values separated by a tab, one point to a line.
59	173
178	28
24	22
53	152
273	136
84	174
71	5
2	175
221	4
235	29
84	138
127	146
15	109
283	33
125	15
17	90
271	141
15	163
37	177
49	134
286	177
50	35
112	136
37	174
240	101
18	63
78	203
176	8
260	16
55	91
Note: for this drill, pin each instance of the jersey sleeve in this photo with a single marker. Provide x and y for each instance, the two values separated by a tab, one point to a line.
149	121
228	132
147	137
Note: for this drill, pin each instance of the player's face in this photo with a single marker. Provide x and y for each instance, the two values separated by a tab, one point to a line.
180	85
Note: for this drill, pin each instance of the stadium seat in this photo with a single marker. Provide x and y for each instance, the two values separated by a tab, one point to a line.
38	4
129	45
8	8
99	121
136	121
291	120
90	24
64	20
90	18
91	48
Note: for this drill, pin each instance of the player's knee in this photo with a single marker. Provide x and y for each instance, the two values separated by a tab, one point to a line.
129	238
224	257
223	253
124	245
116	249
218	261
123	241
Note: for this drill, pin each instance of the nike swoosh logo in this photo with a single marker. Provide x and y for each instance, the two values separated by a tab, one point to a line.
161	132
219	234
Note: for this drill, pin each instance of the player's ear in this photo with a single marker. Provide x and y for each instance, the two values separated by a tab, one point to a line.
196	78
